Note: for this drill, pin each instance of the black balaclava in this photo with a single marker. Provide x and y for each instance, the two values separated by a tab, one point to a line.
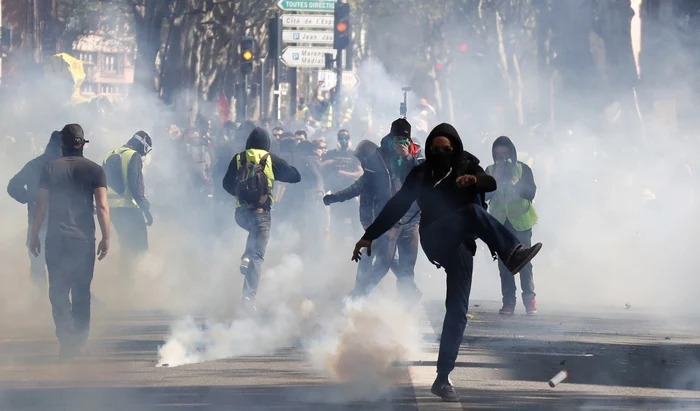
364	150
72	140
443	162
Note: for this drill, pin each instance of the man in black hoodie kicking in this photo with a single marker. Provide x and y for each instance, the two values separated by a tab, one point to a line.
449	188
259	166
23	187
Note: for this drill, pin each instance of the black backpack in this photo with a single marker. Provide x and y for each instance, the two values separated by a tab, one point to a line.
113	171
252	184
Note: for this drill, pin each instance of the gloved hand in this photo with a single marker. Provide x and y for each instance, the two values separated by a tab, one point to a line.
330	199
149	217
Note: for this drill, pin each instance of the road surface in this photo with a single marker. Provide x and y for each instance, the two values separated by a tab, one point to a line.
616	359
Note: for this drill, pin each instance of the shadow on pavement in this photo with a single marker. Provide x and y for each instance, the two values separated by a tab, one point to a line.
476	400
325	397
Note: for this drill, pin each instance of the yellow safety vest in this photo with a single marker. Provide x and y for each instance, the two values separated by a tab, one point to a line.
507	205
254	155
126	199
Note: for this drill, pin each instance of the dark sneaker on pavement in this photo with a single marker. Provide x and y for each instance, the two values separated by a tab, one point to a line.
444	390
520	257
531	307
507	309
245	263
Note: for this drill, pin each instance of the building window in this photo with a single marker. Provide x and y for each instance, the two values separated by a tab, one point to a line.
110	89
88	58
88	88
110	65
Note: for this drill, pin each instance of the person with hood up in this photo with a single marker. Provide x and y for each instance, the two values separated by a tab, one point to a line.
23	188
511	205
67	188
448	188
385	171
340	169
363	153
250	178
126	193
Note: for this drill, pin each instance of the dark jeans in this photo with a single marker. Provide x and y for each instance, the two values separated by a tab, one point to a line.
447	242
71	263
257	224
527	284
403	238
131	229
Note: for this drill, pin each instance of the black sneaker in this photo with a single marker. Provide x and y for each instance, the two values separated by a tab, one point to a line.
520	257
444	390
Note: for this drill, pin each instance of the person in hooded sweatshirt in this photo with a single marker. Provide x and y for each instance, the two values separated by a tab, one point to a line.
255	217
126	193
448	188
385	171
67	188
511	205
23	187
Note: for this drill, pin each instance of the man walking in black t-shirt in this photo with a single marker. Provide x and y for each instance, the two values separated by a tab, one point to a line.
67	187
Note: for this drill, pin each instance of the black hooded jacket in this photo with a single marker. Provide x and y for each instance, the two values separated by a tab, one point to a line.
24	186
378	185
436	194
260	140
525	187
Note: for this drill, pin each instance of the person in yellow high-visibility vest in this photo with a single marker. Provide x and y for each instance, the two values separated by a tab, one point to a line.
126	196
511	205
250	178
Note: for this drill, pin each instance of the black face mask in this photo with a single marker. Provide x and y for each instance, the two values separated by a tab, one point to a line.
442	160
344	143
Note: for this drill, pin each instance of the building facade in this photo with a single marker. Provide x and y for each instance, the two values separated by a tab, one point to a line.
108	64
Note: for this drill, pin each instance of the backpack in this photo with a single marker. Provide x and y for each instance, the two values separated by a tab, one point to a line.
252	184
113	171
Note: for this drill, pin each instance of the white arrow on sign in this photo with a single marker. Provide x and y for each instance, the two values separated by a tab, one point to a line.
305	56
329	78
308	36
307	21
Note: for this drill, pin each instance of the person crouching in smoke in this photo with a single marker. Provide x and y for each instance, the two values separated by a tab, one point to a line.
449	188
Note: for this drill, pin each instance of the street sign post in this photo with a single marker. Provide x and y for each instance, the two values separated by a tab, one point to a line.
330	78
307	36
305	56
307	21
318	5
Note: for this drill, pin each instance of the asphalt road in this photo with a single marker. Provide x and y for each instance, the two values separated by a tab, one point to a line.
617	359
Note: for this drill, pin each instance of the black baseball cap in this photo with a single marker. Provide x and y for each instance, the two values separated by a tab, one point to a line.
401	128
72	135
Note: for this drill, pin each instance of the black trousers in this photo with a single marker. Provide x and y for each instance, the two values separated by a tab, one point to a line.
71	264
133	235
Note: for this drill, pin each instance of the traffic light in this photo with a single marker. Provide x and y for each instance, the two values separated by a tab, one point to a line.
342	32
463	47
247	52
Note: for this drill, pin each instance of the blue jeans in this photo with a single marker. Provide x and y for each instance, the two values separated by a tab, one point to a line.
403	238
527	283
447	242
257	224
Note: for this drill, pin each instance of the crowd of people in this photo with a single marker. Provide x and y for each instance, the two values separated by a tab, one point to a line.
400	193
